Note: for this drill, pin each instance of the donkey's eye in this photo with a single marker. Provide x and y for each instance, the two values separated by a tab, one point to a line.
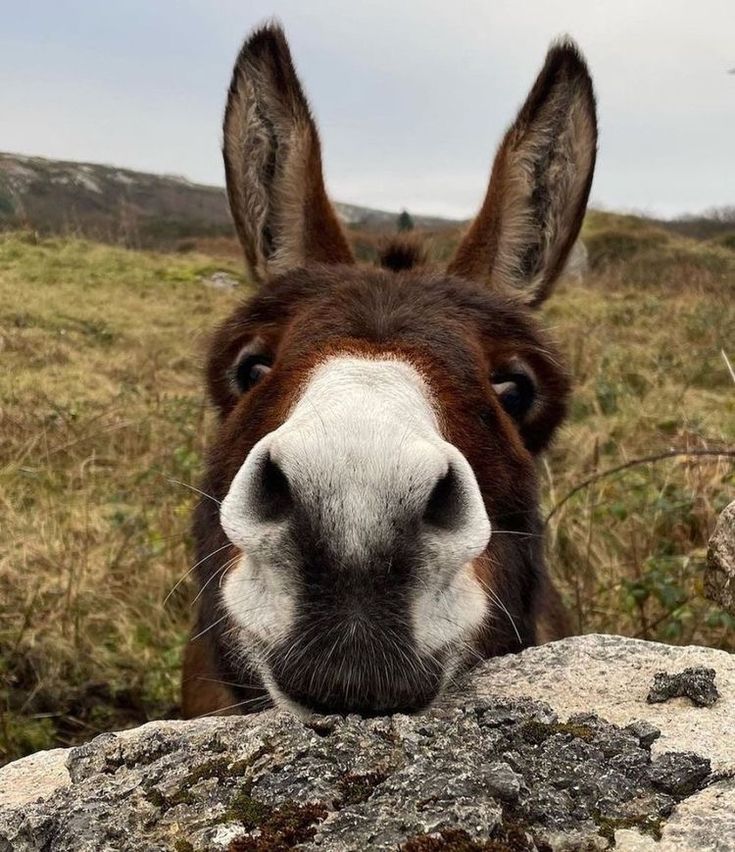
516	392
251	370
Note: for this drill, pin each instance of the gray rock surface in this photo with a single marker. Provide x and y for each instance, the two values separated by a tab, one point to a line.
719	575
519	757
35	777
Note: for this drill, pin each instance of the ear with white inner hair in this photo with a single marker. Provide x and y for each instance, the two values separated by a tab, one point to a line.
273	164
539	185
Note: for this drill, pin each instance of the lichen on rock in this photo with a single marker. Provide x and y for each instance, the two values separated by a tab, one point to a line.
696	683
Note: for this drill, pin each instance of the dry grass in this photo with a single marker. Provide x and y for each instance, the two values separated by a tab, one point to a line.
649	377
101	406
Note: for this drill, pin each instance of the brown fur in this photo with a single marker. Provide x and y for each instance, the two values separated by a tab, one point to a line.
201	690
456	328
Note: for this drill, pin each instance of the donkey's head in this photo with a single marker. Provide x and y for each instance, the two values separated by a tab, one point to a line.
375	456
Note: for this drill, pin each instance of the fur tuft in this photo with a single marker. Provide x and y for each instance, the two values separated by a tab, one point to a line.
402	253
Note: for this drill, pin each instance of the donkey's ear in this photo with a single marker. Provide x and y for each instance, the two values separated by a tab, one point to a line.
539	185
273	164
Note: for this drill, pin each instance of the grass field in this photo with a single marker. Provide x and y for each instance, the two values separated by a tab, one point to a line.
102	415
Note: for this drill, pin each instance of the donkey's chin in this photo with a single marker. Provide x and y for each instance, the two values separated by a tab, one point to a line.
393	681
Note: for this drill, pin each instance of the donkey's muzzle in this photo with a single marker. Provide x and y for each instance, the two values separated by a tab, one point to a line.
358	525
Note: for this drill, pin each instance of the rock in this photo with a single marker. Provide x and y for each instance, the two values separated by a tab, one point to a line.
610	676
645	731
221	281
555	747
709	816
679	774
633	841
719	575
502	782
32	778
696	683
577	265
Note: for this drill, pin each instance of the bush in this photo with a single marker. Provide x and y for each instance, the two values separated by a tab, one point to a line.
617	245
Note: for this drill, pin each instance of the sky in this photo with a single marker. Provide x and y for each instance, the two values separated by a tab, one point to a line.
411	96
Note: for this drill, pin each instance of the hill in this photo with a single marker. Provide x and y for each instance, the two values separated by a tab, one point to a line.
135	208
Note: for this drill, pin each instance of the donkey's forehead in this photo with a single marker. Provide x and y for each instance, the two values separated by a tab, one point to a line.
380	306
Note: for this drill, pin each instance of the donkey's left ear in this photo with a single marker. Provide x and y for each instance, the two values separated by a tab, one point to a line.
539	185
273	164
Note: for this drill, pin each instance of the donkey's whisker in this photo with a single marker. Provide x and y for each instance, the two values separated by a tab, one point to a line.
207	629
192	569
220	572
195	490
262	699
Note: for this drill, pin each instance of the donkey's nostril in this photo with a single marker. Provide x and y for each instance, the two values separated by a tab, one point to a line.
274	492
445	504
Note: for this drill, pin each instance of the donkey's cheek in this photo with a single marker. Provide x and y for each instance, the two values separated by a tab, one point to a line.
259	601
443	616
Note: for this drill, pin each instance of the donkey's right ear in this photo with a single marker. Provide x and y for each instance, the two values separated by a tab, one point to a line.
540	182
273	164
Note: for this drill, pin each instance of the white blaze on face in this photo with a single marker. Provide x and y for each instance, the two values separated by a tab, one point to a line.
361	446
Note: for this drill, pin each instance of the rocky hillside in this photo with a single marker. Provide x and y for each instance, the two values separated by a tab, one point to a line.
135	208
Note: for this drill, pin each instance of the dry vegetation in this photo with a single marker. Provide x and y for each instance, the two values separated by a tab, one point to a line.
101	412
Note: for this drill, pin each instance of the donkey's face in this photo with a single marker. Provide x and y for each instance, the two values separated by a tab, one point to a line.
375	459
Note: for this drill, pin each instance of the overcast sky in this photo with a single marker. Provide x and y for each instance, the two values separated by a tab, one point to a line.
411	96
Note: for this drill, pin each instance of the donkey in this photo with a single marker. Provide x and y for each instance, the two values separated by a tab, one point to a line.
370	521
